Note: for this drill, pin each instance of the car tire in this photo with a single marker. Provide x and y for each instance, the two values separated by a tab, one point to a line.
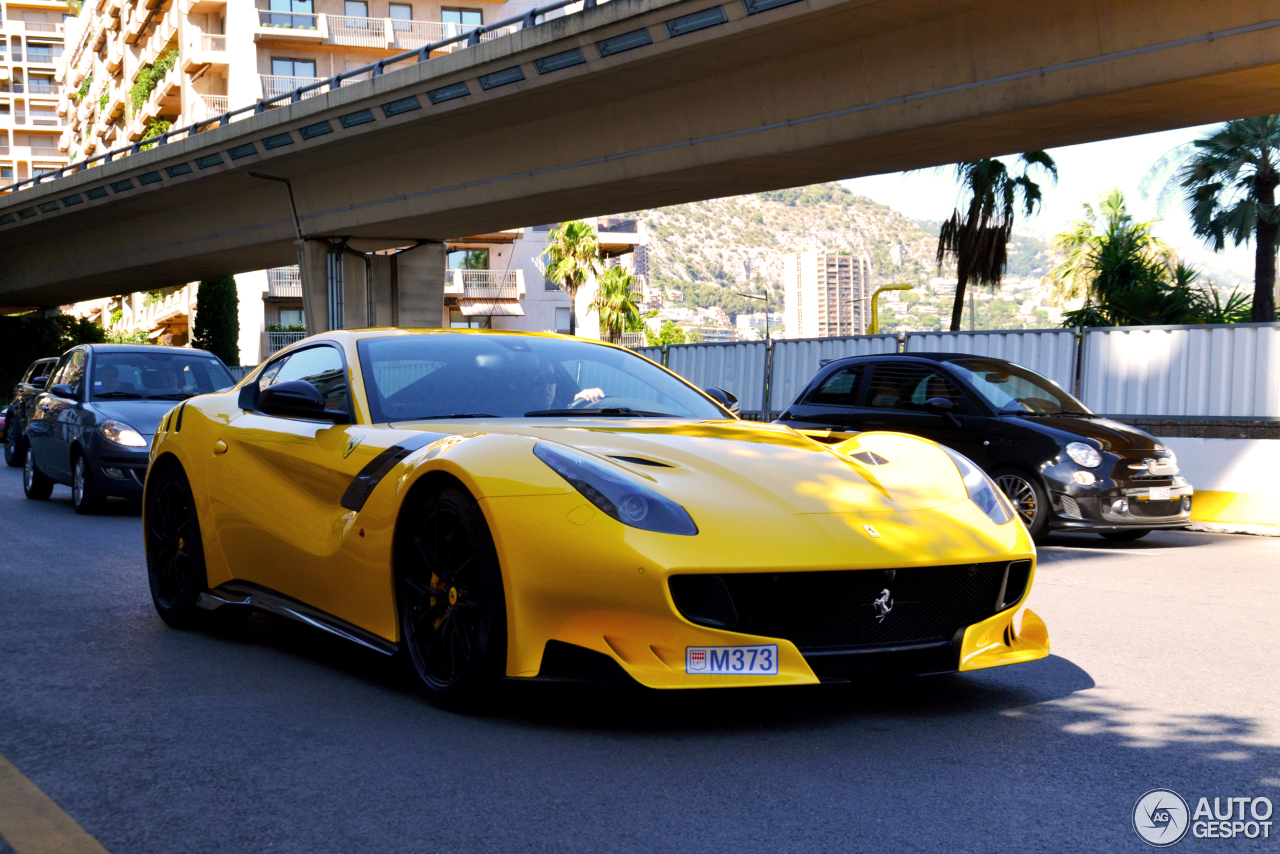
1028	499
14	450
86	497
1125	536
175	549
455	640
36	486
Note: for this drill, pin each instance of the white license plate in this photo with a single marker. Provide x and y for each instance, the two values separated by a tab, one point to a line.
732	660
1158	493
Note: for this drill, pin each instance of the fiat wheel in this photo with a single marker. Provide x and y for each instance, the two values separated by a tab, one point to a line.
86	497
36	486
452	612
1028	499
175	550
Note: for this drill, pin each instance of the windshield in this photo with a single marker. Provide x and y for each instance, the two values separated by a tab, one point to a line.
162	375
411	377
1009	388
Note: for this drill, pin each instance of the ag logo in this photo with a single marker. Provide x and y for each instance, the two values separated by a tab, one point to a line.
352	444
1161	818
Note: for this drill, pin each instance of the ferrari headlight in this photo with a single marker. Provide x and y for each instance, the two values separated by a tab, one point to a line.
622	497
981	490
1085	455
122	434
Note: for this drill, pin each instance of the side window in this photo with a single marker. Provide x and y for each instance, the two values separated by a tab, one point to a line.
320	366
906	386
74	373
839	389
59	370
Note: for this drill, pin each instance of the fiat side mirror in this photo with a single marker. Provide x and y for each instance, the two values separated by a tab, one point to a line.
727	399
297	399
39	382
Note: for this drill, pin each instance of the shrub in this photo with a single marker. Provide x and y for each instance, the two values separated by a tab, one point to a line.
29	337
138	336
150	77
217	326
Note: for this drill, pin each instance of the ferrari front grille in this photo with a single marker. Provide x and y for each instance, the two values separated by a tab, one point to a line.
849	609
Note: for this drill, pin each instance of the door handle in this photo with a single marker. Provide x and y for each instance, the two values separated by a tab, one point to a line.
219	447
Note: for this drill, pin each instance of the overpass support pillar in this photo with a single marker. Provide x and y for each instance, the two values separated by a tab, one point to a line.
414	285
313	265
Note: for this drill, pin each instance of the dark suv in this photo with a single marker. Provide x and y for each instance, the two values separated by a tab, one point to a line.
31	384
1062	467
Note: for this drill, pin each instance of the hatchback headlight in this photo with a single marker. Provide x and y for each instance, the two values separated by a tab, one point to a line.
122	434
982	491
622	497
1085	455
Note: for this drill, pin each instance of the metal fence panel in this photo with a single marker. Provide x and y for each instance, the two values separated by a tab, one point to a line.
654	353
1048	352
1224	371
239	372
796	360
735	367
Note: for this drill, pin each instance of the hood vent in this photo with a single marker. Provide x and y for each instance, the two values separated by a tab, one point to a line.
641	461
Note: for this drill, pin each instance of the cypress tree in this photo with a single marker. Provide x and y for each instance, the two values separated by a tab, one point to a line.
218	319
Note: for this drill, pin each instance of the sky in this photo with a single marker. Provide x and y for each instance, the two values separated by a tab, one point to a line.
1085	172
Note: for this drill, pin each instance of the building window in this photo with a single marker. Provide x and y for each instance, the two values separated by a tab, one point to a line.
290	317
462	20
357	9
458	320
562	320
469	259
549	282
301	21
6	172
293	68
401	12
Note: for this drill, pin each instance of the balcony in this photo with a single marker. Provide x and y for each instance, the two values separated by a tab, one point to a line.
215	105
41	87
277	341
411	35
485	284
284	282
273	85
204	52
291	26
38	26
358	32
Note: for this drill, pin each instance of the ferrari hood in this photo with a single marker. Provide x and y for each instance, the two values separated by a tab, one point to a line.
757	469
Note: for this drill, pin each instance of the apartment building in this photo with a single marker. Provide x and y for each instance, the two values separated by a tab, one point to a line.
32	41
826	294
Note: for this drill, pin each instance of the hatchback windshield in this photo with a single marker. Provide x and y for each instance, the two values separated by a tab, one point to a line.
410	377
1009	388
162	375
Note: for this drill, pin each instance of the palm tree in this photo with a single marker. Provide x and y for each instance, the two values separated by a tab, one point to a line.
979	237
573	257
1230	182
615	302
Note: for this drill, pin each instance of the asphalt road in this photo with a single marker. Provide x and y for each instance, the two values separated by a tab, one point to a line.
279	739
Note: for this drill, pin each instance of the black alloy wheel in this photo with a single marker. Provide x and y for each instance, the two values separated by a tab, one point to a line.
452	610
86	498
14	451
1028	499
1126	536
36	486
175	551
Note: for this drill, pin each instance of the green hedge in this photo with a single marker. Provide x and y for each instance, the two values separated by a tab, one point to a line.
29	337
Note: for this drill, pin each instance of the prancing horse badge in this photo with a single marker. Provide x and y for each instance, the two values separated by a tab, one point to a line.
883	605
352	444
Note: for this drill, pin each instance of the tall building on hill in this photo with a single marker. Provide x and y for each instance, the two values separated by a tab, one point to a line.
32	36
826	294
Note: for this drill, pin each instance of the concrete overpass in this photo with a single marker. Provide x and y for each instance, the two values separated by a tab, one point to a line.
653	109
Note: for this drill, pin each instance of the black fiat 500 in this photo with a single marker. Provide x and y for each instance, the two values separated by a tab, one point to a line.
92	426
1062	467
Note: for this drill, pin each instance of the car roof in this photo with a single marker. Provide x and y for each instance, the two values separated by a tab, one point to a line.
143	348
932	357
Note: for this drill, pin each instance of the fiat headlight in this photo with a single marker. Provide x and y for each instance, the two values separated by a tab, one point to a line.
620	496
122	434
1085	455
981	490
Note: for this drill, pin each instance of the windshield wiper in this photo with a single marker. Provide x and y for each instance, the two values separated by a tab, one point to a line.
177	395
1056	412
455	415
119	395
609	412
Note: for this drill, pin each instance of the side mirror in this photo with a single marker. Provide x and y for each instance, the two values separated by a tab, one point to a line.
942	406
39	382
297	399
727	399
63	390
